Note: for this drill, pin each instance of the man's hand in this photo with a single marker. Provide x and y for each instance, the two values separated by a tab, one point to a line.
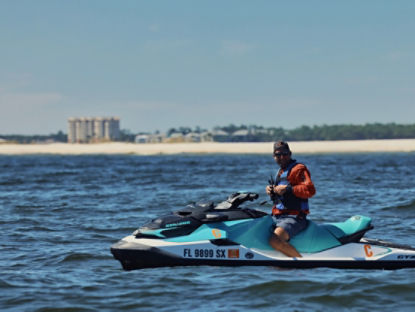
280	189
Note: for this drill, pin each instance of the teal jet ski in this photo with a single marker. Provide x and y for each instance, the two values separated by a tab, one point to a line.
227	234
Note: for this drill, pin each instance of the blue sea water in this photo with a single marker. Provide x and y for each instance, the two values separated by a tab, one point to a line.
60	215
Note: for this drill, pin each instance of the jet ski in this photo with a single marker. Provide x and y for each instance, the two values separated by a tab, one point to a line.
227	234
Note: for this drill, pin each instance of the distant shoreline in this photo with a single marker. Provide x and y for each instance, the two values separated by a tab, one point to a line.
309	147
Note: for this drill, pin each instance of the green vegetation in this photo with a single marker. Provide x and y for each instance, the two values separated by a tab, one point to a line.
352	132
127	136
18	138
232	133
326	133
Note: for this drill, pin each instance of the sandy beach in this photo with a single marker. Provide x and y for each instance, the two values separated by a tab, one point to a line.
314	147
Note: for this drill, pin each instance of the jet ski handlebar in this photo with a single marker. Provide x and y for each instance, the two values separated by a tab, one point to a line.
236	199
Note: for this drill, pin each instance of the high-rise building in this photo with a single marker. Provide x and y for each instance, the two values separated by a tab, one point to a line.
95	129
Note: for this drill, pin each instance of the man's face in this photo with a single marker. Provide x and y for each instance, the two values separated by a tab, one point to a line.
282	158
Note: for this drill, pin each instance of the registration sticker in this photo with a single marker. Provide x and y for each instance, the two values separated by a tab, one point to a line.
233	253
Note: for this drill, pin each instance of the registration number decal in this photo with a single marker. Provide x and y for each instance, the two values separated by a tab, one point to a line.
208	253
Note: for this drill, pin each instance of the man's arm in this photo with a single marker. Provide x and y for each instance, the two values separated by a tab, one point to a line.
301	184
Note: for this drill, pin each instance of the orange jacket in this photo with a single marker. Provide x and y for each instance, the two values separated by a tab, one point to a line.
300	180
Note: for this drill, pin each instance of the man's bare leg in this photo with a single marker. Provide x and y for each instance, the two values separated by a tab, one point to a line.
279	241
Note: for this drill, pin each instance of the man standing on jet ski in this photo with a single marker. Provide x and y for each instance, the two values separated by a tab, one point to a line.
290	193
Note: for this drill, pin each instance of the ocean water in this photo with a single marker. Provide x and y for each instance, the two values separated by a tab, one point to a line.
60	215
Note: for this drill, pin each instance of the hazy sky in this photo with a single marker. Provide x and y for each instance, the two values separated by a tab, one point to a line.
162	64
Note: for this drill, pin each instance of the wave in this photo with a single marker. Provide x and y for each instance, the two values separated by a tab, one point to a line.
313	295
410	205
12	182
4	284
80	257
404	206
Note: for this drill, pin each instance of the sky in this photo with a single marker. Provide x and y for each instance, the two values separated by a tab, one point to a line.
166	64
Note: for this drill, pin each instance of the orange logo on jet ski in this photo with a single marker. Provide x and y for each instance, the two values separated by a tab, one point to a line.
216	233
368	250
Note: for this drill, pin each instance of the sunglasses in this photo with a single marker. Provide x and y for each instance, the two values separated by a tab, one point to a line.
279	154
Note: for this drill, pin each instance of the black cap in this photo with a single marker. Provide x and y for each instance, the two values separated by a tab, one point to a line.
282	147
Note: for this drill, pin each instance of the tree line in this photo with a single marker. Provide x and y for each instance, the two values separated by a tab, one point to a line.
255	133
19	138
343	132
370	131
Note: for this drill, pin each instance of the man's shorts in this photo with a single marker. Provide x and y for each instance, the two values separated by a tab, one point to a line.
291	224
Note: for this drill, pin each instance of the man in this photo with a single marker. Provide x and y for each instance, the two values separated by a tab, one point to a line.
290	193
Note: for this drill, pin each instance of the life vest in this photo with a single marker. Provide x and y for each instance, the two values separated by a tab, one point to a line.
288	203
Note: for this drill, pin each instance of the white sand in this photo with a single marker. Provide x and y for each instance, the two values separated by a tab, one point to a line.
209	147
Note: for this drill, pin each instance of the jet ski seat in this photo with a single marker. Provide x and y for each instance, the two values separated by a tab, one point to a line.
314	238
351	230
317	238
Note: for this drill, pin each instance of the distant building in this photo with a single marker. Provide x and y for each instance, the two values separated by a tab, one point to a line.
240	136
142	138
192	137
95	129
175	137
149	138
220	136
206	136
